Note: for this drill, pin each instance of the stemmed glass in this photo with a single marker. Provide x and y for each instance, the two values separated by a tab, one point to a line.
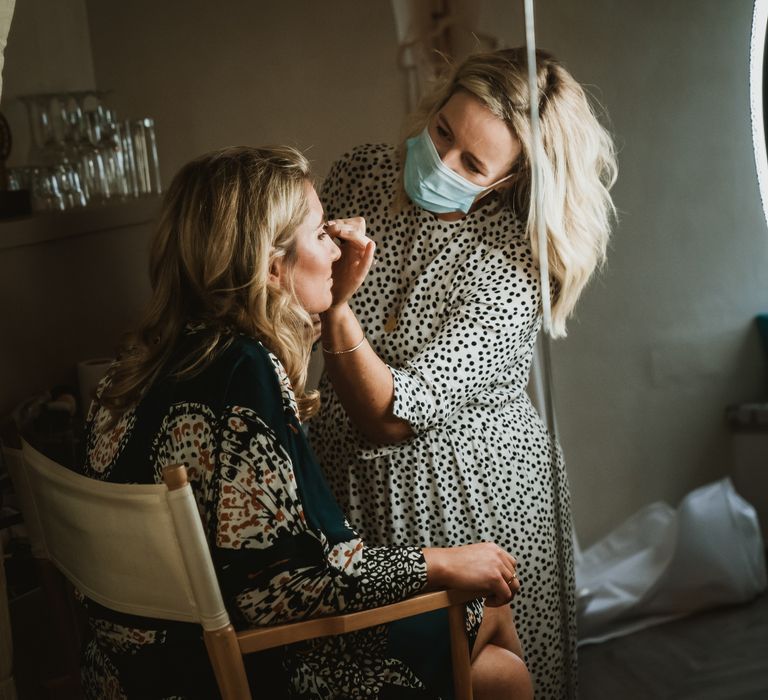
70	118
110	146
73	170
93	173
93	159
82	154
44	147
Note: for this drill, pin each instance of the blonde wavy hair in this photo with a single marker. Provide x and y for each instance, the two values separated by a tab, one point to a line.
579	168
225	219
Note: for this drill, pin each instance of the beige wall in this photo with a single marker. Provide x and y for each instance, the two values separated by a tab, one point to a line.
49	50
321	76
67	299
64	301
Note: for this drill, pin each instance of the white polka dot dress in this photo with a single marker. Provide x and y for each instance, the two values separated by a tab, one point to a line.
454	309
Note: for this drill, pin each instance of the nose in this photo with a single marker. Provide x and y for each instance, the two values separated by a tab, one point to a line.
335	251
452	159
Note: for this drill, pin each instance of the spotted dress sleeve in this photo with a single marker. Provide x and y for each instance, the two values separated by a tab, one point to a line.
490	326
283	550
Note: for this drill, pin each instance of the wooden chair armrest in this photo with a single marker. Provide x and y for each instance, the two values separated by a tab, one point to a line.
258	639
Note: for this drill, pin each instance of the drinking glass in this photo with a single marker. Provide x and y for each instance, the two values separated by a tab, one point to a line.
20	177
111	148
46	194
129	157
68	179
146	163
93	173
44	148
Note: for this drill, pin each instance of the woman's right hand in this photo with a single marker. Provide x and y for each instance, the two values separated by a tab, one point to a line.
357	249
483	567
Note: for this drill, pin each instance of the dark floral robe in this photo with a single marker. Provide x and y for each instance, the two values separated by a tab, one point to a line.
282	549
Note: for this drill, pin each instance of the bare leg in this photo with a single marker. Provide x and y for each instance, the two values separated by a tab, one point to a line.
498	670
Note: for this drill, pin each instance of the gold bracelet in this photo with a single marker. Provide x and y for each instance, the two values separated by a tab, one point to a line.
342	352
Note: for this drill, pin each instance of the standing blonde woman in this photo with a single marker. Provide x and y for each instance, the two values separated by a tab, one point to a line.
427	432
214	377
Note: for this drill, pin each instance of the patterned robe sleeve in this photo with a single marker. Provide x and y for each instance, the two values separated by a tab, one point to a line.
273	565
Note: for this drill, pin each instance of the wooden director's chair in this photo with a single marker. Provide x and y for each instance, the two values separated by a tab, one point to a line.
140	549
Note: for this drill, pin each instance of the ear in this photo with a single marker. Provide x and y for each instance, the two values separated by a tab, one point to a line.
512	180
506	185
277	271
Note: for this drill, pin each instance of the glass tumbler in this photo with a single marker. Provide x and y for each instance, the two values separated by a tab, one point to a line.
146	164
46	194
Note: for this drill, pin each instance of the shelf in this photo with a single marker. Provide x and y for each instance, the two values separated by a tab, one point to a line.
43	227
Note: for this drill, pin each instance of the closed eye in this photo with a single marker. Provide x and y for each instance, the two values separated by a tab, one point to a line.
470	165
442	132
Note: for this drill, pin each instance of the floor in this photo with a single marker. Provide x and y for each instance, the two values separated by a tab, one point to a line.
721	654
717	655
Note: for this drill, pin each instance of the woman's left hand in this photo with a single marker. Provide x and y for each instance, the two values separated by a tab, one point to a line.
357	250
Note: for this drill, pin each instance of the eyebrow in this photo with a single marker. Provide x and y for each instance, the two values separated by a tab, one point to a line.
443	121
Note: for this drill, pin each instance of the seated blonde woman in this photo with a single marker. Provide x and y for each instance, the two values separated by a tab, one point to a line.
214	377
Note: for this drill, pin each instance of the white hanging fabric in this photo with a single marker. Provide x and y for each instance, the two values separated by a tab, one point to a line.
663	563
430	33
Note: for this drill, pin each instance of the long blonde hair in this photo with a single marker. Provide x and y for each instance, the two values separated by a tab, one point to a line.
579	168
225	219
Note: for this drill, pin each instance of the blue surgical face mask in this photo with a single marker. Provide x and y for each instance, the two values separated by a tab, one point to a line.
431	184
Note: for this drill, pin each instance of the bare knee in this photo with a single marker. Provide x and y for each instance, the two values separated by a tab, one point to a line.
498	627
499	674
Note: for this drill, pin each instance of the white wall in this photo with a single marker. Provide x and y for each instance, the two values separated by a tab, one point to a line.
664	339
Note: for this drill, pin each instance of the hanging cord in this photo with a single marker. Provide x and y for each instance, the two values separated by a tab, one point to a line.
537	201
537	178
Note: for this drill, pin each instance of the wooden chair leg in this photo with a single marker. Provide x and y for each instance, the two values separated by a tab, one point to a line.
462	679
60	596
65	664
7	684
227	662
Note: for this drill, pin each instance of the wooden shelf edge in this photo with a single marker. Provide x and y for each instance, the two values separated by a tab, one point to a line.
44	227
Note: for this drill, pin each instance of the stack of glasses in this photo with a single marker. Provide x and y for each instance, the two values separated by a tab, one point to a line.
80	154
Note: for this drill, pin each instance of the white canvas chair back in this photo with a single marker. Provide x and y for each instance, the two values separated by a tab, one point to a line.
135	548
